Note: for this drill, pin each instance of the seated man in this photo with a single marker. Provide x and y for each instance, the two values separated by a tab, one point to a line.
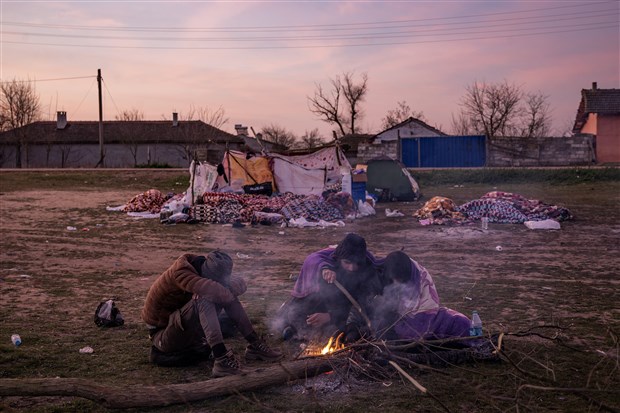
317	307
409	306
181	311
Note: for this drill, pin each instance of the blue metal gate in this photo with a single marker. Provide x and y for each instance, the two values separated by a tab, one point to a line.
444	152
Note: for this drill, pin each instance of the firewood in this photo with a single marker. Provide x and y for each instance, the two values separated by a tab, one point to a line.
122	397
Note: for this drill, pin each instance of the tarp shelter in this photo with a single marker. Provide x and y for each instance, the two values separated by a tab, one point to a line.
309	174
202	176
389	180
301	174
242	169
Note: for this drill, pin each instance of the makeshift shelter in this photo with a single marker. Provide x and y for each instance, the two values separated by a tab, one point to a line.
202	177
389	180
240	170
310	174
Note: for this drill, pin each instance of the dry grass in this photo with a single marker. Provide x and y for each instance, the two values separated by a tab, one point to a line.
566	281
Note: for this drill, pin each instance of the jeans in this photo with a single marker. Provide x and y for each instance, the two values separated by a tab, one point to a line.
197	323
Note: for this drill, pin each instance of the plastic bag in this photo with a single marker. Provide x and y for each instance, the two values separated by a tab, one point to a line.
108	315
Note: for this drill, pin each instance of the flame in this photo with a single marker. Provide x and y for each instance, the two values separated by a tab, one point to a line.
333	345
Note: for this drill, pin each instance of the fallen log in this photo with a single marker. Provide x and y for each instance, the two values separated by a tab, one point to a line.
123	397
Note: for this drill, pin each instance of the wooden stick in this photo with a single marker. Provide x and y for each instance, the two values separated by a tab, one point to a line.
353	301
408	377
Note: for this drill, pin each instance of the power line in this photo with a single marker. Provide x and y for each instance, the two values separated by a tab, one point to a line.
46	80
87	93
345	37
336	26
597	27
118	111
398	34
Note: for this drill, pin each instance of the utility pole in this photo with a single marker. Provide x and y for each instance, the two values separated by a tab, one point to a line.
101	152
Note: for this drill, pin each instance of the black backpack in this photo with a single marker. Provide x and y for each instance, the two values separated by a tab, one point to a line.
108	315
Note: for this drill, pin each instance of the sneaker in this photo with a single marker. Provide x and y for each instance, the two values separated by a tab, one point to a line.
259	350
227	365
288	333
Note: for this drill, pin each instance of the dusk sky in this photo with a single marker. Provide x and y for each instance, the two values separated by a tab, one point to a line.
260	61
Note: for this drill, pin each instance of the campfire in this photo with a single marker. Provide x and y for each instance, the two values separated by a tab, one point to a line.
333	345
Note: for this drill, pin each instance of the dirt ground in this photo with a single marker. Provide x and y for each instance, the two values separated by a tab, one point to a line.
51	277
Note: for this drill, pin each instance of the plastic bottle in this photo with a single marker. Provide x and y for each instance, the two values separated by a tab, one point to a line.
347	185
476	325
16	339
485	222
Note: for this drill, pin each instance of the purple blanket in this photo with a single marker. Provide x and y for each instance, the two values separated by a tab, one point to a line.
310	274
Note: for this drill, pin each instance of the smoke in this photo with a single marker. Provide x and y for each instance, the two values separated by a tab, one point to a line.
396	301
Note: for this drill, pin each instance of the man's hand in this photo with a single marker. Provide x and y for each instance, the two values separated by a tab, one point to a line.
318	319
328	275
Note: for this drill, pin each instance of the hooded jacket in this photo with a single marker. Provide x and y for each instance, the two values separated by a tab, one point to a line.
176	286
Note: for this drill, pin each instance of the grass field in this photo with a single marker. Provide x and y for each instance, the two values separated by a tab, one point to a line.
555	293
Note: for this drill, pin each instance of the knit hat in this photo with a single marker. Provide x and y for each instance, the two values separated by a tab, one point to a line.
217	266
397	267
352	248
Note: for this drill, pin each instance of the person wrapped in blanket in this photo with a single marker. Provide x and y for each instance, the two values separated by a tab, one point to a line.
317	308
182	311
408	307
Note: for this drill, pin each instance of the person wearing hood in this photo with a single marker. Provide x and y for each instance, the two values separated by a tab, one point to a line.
182	308
409	306
317	307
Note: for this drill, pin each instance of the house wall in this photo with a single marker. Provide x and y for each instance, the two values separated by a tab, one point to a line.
547	151
591	124
87	156
368	151
608	139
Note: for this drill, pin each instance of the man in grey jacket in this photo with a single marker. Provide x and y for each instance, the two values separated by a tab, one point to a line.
182	309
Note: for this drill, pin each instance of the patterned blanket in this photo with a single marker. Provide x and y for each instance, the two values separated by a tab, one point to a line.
498	206
224	208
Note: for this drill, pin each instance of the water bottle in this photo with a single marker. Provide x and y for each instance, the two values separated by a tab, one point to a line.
485	223
16	339
476	325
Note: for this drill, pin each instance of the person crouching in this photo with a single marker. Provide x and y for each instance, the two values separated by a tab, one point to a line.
182	308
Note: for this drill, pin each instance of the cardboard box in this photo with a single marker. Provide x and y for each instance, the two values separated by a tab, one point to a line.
359	178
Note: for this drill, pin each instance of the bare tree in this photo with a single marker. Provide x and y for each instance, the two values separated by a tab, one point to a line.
462	125
502	109
537	116
278	134
194	136
399	114
133	133
19	106
311	139
327	105
130	115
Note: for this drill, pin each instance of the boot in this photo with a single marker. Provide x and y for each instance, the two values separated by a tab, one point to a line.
227	365
259	350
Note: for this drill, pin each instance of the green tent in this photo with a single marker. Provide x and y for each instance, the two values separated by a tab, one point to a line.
389	180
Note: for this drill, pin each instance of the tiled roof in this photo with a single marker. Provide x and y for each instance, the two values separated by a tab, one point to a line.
599	101
414	120
122	132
